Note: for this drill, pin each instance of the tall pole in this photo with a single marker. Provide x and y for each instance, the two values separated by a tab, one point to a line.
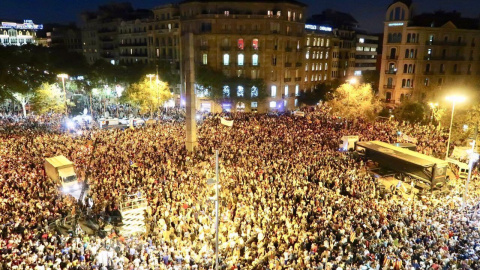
189	70
158	94
450	130
216	210
470	168
65	94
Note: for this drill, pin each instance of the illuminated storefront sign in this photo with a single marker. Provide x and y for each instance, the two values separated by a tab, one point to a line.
27	24
318	27
396	24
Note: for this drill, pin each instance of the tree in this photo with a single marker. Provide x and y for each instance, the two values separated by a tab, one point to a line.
412	112
353	101
147	95
23	99
49	98
321	92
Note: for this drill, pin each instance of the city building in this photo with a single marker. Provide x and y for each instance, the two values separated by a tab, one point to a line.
321	57
17	34
427	53
64	36
365	54
246	40
103	32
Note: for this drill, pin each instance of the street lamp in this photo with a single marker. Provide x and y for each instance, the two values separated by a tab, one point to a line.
432	106
217	201
64	76
352	81
453	99
150	76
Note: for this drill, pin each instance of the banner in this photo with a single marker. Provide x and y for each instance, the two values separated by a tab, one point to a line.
228	123
407	138
299	113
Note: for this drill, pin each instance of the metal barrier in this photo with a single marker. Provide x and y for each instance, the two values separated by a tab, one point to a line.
132	202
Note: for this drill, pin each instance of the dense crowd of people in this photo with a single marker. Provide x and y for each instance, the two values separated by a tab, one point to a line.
289	199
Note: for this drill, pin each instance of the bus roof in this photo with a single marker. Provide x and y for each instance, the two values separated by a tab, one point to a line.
404	154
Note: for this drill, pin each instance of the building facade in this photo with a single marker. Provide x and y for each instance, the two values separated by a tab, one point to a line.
426	54
244	39
365	53
18	34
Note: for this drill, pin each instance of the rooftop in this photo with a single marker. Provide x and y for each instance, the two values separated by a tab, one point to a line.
248	1
439	18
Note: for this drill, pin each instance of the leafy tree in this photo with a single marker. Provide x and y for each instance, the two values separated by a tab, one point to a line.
353	101
321	92
147	95
412	112
49	98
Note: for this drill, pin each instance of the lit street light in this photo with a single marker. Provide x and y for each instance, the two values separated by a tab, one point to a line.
453	99
432	106
150	76
64	76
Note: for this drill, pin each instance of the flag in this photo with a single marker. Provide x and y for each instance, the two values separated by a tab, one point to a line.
228	123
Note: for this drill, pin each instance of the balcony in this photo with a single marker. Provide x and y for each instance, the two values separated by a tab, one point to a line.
444	58
225	48
254	49
445	43
428	73
298	79
252	65
298	64
204	48
392	57
389	86
390	72
288	49
287	79
288	64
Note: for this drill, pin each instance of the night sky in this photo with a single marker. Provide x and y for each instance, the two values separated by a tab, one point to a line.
369	13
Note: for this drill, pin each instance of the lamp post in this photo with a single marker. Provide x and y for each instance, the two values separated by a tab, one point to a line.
453	99
150	76
433	106
217	201
64	76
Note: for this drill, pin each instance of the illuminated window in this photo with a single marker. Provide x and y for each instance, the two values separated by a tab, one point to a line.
240	91
254	104
226	91
307	55
296	102
328	42
240	59
204	59
240	44
255	44
226	59
326	66
297	90
279	13
226	12
273	104
273	91
254	91
286	90
326	55
361	40
270	13
289	15
308	41
322	42
255	59
321	55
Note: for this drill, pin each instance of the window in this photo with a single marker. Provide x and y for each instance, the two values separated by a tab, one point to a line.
296	102
307	55
255	44
274	60
254	92
240	59
326	55
357	73
426	82
273	91
273	104
240	91
255	59
240	44
286	90
321	55
226	91
361	40
254	104
308	41
326	66
297	90
226	12
270	13
204	59
226	59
